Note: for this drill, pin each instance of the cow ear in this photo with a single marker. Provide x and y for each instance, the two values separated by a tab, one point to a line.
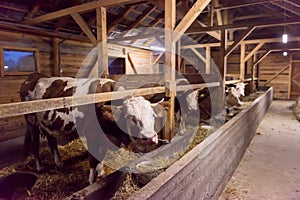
159	110
117	112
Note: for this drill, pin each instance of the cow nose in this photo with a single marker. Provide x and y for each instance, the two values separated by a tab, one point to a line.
150	140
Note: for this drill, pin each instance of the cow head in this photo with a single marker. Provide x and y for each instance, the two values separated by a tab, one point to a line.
140	119
240	89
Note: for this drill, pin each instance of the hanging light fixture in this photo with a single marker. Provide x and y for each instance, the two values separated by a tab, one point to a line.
285	53
284	35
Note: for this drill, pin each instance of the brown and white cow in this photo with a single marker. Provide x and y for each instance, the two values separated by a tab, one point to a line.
104	126
233	97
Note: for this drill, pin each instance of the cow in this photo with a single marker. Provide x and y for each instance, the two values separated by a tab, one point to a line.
186	102
131	121
233	97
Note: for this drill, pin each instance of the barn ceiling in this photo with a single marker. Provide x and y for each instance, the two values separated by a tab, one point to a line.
268	17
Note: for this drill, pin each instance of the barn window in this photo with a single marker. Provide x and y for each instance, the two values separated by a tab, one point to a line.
116	65
18	61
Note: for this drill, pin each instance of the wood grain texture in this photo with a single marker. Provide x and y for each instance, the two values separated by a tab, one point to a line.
205	170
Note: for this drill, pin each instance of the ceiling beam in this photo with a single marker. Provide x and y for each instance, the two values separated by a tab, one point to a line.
84	27
25	29
181	14
79	9
236	26
190	17
287	7
239	40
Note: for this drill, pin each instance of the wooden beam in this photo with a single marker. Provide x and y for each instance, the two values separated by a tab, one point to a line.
253	41
242	62
136	37
285	6
219	14
262	57
239	40
236	26
25	29
290	77
207	62
142	17
199	55
120	18
131	63
223	65
170	45
56	56
102	41
190	17
214	34
254	51
84	27
277	74
21	108
157	58
211	14
1	62
79	9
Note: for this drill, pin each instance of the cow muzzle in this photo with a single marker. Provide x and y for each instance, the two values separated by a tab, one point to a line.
149	140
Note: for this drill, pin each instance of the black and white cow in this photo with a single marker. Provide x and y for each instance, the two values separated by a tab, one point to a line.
132	121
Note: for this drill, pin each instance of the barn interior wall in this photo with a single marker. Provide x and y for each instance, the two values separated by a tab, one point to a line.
269	67
72	55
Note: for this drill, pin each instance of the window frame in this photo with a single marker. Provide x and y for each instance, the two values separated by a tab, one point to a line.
36	57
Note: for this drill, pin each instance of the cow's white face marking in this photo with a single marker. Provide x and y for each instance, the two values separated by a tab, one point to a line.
140	114
192	100
239	90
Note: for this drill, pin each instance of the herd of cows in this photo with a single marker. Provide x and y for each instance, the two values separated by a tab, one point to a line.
105	125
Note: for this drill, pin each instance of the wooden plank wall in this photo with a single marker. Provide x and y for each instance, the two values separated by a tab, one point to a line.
271	65
72	57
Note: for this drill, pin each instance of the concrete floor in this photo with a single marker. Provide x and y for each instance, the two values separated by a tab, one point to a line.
270	168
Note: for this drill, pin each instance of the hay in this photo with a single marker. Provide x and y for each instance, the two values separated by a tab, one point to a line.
296	108
52	183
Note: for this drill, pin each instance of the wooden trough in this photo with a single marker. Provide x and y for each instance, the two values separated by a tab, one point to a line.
204	171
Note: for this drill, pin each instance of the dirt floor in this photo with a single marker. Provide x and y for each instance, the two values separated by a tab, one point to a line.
270	168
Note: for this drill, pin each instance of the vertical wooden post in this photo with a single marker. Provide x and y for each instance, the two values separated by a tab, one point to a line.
102	42
252	86
222	69
56	63
178	55
290	76
170	21
1	62
242	61
207	62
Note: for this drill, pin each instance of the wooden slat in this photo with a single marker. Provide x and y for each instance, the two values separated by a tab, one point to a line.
21	108
207	62
197	86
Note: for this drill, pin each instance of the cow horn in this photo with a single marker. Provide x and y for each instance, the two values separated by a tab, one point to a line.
155	104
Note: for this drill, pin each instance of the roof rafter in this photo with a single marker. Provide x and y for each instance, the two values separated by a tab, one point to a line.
79	9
